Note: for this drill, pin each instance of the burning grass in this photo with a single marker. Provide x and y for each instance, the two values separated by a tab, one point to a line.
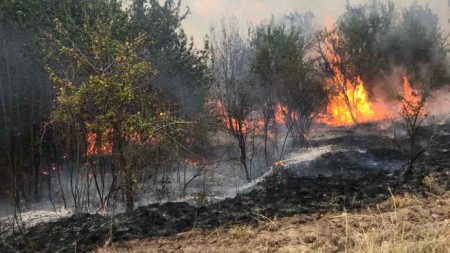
403	223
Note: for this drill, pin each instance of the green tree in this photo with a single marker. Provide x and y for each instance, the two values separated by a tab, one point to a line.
182	69
233	84
418	45
25	98
288	74
105	86
359	40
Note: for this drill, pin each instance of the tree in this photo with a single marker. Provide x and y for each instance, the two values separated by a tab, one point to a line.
23	109
418	45
412	112
25	99
369	41
232	84
354	53
359	41
287	71
104	86
182	69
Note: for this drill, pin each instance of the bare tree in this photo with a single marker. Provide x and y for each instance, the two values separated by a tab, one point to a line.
24	106
230	64
413	116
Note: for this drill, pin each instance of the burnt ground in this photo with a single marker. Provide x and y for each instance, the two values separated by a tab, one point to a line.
361	168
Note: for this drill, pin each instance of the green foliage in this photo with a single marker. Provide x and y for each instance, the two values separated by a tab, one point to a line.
25	12
418	45
283	62
359	41
105	86
112	86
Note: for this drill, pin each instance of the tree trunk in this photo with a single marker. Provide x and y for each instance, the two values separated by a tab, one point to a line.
242	146
129	190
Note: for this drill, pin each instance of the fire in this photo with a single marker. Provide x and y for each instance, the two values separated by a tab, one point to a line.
230	123
278	164
410	99
106	147
350	104
107	144
281	112
254	126
408	92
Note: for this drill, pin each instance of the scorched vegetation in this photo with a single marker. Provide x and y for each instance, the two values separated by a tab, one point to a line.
285	135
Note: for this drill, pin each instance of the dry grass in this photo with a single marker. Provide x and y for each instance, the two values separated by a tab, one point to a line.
402	224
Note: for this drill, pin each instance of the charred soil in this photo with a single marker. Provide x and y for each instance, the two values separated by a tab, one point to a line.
359	172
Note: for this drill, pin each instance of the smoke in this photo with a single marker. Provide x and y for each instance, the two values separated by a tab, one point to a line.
439	105
255	11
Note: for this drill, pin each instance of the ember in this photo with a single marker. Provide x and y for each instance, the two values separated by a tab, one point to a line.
106	143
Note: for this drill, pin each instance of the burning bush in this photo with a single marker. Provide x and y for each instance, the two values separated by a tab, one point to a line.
412	111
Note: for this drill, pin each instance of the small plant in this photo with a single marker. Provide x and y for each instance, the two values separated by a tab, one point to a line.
200	198
412	112
164	191
240	231
431	185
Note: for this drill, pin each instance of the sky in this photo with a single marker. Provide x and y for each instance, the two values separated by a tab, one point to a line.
203	12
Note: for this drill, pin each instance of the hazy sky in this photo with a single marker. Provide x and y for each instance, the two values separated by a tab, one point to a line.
203	11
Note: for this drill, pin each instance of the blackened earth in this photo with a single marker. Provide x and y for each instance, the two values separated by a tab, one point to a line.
343	181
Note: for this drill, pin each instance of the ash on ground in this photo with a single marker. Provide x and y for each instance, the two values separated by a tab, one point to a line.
346	169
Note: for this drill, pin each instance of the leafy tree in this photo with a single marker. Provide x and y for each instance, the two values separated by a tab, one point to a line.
24	106
354	51
287	71
25	96
104	86
359	40
417	44
182	69
369	41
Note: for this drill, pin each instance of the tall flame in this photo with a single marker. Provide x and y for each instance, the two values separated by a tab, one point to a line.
411	99
350	103
230	122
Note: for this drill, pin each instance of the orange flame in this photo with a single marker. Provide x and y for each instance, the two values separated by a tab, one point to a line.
281	112
350	104
232	124
411	99
106	147
254	124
